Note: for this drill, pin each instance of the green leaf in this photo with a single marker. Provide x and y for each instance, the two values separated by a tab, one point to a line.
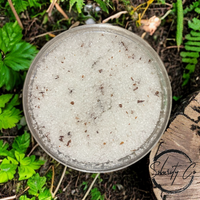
189	37
9	118
179	27
190	68
21	143
103	6
7	169
193	43
197	10
176	98
5	98
195	33
3	149
28	165
79	4
192	48
46	195
34	3
96	194
20	5
191	7
10	34
24	197
190	60
36	184
16	54
194	24
189	54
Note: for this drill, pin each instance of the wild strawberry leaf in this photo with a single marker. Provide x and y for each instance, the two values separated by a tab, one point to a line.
28	165
36	184
15	55
24	197
5	98
46	195
7	169
9	115
3	148
21	143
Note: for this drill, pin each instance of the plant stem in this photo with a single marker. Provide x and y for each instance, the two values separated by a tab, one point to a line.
91	186
61	178
15	13
9	198
32	150
22	192
165	15
52	180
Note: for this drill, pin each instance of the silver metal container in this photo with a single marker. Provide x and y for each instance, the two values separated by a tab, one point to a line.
155	135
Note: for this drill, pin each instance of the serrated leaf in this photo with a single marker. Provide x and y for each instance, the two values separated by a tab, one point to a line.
5	98
79	4
103	6
36	184
14	102
194	24
197	10
20	5
96	194
24	197
46	195
10	34
7	170
21	56
34	3
15	55
3	149
28	165
21	143
9	118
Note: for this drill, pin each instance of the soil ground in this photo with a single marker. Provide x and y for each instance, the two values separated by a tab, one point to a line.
132	183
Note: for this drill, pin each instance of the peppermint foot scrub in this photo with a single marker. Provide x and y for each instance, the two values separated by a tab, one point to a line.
97	98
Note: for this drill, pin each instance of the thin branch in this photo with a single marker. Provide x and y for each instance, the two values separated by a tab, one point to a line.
61	178
22	192
90	186
41	35
15	13
1	137
9	198
32	150
52	180
49	10
117	15
61	11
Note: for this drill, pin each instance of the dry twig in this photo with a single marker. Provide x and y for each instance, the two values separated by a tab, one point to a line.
117	15
90	186
15	13
9	198
61	11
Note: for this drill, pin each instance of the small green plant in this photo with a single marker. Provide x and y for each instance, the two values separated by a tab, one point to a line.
15	55
16	159
9	115
96	194
191	7
192	47
85	184
37	188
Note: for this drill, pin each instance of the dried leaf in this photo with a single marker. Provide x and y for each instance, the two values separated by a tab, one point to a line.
117	15
151	24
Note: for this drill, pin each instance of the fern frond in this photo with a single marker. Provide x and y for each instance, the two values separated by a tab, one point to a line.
189	37
193	43
190	60
194	33
191	7
191	48
189	54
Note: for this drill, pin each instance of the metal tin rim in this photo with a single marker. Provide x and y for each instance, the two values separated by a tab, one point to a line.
103	27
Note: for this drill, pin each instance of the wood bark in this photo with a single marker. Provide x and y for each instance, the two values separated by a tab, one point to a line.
174	162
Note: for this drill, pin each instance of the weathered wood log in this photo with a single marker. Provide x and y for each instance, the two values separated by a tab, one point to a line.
175	161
